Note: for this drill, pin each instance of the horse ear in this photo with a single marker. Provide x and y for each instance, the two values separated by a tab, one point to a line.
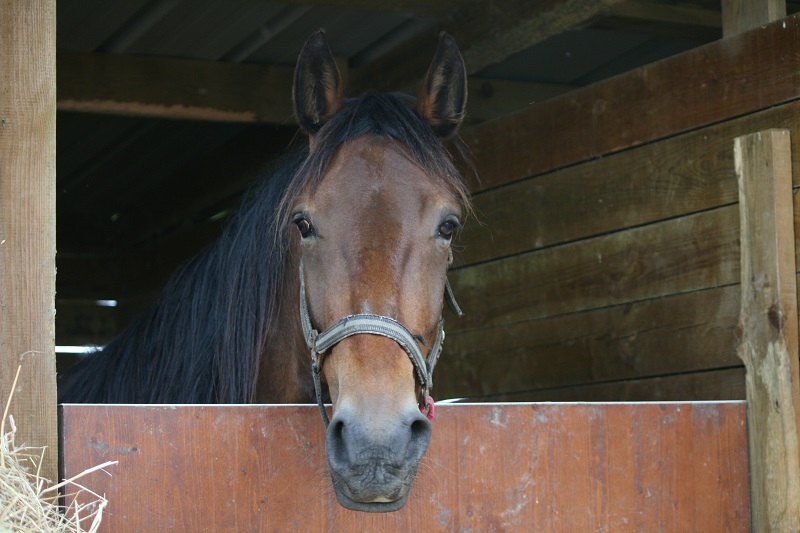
317	91
442	100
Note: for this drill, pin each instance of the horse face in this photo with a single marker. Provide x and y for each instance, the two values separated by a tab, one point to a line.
376	246
375	239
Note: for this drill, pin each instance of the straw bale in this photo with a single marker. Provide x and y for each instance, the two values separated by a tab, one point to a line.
29	503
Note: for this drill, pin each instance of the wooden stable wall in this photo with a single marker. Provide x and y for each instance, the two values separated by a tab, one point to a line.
522	467
607	264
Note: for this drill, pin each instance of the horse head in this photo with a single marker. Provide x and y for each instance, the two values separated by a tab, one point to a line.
374	232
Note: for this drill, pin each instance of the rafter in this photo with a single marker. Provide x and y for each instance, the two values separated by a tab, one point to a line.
173	88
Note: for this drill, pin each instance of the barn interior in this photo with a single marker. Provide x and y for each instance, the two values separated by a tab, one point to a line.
636	239
168	109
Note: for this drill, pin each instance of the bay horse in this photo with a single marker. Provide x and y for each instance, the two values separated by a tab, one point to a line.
342	254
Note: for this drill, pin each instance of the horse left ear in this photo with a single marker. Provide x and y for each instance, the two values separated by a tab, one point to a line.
317	91
442	100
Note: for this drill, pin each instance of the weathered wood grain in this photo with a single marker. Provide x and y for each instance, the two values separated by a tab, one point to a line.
27	221
768	322
677	334
743	74
626	467
681	255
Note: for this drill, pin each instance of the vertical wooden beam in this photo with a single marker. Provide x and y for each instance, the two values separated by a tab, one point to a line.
27	220
768	322
741	15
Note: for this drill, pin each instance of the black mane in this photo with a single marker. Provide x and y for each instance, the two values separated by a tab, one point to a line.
201	340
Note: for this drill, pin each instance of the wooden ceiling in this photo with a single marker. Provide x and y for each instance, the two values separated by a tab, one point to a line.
169	108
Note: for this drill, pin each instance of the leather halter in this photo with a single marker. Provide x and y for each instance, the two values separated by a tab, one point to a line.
319	343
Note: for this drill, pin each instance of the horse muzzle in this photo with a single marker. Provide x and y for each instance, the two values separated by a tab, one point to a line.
373	465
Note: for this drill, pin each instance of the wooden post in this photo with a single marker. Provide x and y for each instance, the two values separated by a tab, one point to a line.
742	15
27	220
769	327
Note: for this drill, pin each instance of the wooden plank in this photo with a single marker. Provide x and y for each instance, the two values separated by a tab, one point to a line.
743	15
769	327
174	88
715	385
677	334
627	467
27	221
681	255
725	79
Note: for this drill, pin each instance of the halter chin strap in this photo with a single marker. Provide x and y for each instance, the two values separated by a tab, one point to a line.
319	343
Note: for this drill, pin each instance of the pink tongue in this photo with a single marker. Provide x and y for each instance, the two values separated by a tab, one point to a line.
430	413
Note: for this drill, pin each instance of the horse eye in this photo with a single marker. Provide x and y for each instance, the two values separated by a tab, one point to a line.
305	227
448	227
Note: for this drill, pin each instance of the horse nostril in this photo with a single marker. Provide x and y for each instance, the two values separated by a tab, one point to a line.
419	437
337	447
420	429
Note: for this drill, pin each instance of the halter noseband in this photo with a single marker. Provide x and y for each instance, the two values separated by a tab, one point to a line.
320	343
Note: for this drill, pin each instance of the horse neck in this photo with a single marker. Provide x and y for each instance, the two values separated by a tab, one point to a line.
284	374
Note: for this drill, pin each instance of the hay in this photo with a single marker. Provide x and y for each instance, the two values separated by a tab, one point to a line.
28	502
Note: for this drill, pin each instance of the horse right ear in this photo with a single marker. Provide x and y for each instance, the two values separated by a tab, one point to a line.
317	91
442	100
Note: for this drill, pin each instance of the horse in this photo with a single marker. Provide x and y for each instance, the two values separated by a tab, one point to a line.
342	254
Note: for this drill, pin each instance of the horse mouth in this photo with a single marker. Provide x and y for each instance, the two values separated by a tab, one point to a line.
375	506
375	499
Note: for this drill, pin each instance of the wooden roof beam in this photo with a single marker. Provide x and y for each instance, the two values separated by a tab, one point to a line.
175	88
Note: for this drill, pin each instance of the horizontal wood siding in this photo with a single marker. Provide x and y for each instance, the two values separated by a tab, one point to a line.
680	255
677	334
674	177
617	273
561	261
659	299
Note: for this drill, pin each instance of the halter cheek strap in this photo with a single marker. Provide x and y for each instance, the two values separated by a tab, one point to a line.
319	343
